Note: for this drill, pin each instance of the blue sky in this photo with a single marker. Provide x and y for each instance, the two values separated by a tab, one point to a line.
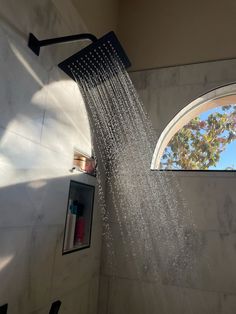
228	157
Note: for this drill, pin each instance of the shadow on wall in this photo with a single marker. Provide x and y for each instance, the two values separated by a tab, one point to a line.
39	105
31	233
32	270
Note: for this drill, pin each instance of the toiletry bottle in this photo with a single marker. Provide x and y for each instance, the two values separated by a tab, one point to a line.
79	225
70	226
81	233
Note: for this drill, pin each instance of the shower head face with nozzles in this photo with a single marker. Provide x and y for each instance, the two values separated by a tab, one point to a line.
88	62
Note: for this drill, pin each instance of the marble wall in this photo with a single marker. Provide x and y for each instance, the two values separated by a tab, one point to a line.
42	120
209	285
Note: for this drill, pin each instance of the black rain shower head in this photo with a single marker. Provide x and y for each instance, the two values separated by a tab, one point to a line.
87	62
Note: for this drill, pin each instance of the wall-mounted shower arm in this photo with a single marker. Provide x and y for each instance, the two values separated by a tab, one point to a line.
35	44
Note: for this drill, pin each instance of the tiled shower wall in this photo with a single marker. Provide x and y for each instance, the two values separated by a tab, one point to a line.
42	119
210	286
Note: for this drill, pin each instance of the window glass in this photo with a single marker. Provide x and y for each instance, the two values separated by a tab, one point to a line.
207	142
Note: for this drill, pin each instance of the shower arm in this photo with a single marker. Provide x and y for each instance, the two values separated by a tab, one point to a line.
35	44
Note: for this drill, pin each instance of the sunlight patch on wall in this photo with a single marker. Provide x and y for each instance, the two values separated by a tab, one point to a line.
19	55
4	261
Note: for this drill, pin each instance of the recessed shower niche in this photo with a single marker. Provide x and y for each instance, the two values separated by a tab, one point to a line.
78	225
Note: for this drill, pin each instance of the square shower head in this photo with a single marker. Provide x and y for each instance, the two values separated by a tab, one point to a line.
89	60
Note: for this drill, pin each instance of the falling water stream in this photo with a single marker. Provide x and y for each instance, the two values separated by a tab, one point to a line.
148	229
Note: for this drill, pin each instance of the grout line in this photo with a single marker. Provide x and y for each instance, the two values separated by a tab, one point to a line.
52	277
98	293
203	231
35	142
12	28
182	65
30	226
169	285
42	126
108	295
195	173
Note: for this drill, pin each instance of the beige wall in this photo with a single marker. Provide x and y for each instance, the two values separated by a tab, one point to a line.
99	16
159	33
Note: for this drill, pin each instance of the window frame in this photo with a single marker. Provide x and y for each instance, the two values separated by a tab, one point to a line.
219	96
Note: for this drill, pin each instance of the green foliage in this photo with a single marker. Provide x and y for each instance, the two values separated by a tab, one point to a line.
198	145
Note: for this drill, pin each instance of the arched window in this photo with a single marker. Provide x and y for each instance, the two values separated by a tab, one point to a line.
202	136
